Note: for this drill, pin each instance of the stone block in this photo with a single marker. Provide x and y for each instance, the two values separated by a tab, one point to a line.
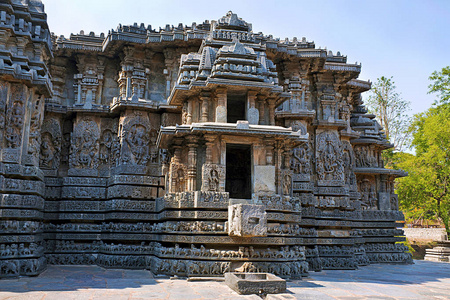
253	116
264	179
242	125
83	172
83	192
21	201
10	155
221	114
131	192
247	220
255	283
441	253
130	169
383	201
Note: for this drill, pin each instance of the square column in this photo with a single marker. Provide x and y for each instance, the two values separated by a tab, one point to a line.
221	109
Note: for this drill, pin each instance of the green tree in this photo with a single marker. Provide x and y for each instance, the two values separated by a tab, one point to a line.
441	85
425	191
391	111
426	188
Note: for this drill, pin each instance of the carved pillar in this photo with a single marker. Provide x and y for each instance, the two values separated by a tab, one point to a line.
205	107
261	109
78	91
269	151
209	144
221	109
271	102
287	157
177	175
252	112
287	172
295	89
100	70
192	143
189	112
171	60
147	64
278	166
125	84
303	100
34	134
184	112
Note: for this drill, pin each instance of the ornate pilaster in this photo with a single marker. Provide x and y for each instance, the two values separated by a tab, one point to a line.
189	111
271	104
252	111
171	61
192	144
261	107
205	98
178	172
221	109
269	144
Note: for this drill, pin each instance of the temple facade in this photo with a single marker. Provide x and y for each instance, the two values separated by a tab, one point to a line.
187	150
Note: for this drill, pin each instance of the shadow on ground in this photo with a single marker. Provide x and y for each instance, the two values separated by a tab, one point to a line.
421	280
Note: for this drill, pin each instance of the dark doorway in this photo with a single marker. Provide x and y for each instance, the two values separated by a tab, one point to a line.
239	172
236	108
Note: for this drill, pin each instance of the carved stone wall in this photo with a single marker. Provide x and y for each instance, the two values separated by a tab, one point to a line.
24	84
120	160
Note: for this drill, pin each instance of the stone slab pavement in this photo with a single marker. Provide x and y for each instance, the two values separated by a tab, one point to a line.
423	280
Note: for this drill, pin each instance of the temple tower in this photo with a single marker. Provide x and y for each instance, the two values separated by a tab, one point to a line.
229	157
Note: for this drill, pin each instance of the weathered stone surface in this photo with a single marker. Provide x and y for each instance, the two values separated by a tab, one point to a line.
247	220
264	179
132	145
440	253
425	234
255	283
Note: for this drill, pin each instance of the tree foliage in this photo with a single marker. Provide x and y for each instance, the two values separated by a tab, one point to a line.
425	191
441	85
391	111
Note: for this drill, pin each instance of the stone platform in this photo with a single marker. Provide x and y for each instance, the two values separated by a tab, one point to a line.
440	253
423	280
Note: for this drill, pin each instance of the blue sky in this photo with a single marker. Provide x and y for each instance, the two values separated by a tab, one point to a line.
404	39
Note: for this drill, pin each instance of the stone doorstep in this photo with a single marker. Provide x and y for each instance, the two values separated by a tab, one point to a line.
255	283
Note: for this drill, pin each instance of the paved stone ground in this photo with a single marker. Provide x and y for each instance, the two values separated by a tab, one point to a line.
423	280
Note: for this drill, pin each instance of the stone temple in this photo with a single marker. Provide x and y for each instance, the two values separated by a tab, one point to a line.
187	150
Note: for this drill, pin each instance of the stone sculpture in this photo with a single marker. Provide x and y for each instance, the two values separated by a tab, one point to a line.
188	150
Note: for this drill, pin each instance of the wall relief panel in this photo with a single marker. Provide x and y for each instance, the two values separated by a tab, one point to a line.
329	159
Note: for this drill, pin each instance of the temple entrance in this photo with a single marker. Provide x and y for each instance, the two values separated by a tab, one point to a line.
238	172
236	108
